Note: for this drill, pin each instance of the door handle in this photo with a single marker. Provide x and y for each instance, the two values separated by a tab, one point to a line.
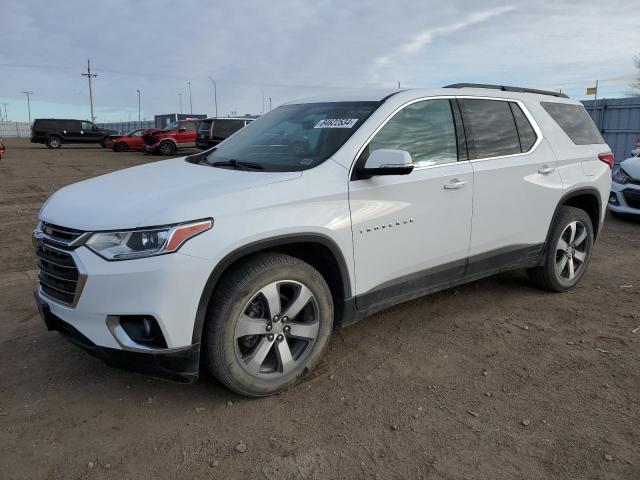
546	169
454	184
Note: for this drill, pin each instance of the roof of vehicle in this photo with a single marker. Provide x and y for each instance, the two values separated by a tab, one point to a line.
228	118
376	95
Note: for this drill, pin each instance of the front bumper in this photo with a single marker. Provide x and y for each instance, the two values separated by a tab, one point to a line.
166	287
179	365
624	199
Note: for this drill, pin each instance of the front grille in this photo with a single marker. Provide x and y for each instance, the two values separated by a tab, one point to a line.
59	276
60	234
632	197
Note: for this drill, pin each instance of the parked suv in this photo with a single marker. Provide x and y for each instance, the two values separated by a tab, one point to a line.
54	132
214	130
177	135
320	213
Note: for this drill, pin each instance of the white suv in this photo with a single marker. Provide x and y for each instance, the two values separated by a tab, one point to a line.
243	257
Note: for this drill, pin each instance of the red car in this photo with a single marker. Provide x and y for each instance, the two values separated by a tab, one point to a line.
177	135
133	140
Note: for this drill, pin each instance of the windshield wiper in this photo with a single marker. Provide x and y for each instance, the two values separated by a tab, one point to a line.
238	164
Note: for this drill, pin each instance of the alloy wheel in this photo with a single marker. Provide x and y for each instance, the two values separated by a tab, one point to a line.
572	250
277	329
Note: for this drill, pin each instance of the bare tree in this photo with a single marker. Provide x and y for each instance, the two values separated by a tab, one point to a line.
635	84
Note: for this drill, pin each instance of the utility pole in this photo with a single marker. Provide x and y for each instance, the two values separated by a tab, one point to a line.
28	94
215	94
89	76
190	104
138	106
263	101
6	117
269	103
180	96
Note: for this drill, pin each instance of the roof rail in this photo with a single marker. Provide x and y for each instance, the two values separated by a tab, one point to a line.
506	88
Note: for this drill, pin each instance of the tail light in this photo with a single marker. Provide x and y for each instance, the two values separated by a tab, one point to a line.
607	158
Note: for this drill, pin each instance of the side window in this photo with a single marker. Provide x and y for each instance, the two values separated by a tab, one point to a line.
424	129
575	121
137	133
490	127
525	131
190	127
88	126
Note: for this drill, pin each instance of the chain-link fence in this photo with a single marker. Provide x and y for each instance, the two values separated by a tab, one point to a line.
15	130
125	127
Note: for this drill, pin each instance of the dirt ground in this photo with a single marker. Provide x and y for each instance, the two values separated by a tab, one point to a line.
491	380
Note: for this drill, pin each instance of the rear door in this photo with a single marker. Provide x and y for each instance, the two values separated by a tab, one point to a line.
411	232
517	185
71	131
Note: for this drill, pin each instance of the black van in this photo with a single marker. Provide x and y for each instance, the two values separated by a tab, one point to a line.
214	130
53	132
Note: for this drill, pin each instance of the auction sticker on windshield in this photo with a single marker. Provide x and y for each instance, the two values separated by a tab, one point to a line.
336	123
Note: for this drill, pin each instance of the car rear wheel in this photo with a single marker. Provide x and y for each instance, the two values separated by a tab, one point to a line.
271	321
54	142
568	252
122	147
167	148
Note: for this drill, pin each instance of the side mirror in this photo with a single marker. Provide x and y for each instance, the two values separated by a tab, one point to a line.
387	162
182	129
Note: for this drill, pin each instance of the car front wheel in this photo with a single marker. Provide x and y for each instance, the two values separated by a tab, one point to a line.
270	323
167	148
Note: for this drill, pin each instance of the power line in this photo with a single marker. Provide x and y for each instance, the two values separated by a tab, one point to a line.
90	75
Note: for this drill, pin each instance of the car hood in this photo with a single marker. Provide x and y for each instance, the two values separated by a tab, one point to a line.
158	193
632	167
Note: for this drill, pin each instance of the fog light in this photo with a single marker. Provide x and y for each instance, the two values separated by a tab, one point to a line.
143	329
147	326
613	198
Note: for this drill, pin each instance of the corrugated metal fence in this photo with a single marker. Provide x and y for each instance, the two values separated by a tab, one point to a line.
15	129
619	121
125	127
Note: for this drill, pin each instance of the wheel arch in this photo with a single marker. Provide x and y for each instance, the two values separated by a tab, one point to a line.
587	199
316	249
584	198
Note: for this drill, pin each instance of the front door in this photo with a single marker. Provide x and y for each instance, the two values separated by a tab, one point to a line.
411	232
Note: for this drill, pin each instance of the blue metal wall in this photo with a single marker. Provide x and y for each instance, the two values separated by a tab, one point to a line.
125	127
619	121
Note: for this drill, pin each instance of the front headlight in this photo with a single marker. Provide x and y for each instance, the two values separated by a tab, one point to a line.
130	244
618	175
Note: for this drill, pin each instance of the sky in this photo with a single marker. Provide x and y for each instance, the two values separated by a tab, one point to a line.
281	50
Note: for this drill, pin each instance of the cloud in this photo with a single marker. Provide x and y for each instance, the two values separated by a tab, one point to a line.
420	40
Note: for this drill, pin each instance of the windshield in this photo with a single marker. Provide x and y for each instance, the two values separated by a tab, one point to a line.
293	137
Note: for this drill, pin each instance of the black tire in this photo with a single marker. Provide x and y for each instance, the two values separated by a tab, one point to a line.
547	275
54	142
121	147
232	299
167	148
103	143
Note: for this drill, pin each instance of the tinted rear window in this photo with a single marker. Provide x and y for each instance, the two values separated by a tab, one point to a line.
575	121
205	126
490	127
